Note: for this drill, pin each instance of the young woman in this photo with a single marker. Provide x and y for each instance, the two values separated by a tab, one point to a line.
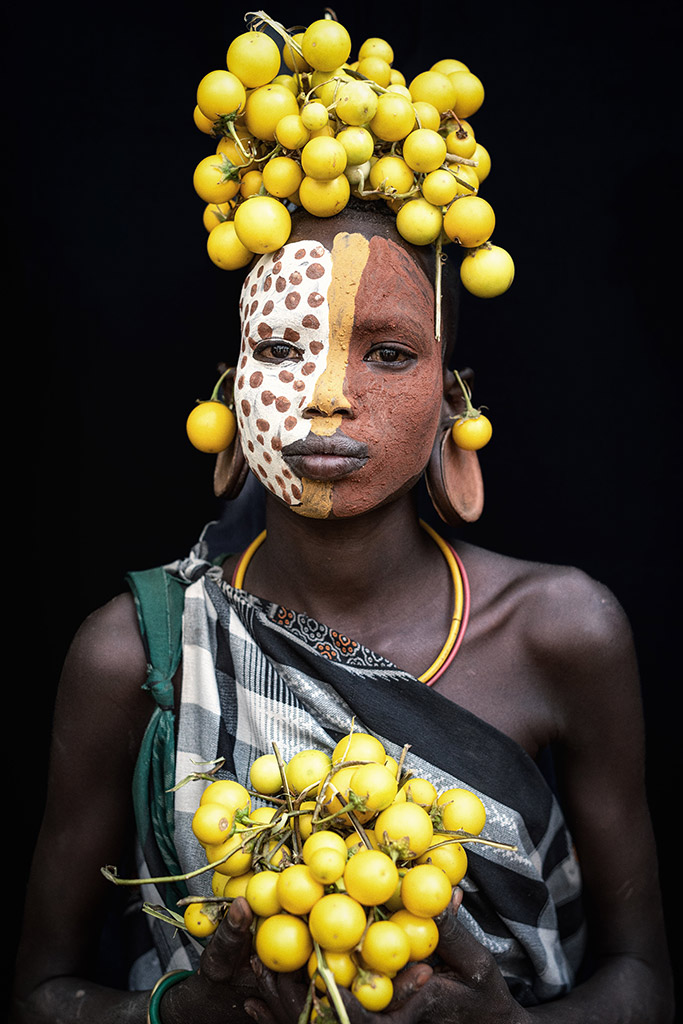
345	610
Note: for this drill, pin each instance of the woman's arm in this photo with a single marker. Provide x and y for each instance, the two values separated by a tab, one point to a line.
100	717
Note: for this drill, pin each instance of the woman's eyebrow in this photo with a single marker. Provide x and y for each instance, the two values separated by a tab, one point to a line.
399	322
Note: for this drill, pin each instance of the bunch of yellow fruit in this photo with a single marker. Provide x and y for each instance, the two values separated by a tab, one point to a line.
345	864
302	124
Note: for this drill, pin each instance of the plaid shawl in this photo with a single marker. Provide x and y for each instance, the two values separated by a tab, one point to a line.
254	673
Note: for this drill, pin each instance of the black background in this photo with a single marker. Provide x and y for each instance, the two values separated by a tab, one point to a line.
116	319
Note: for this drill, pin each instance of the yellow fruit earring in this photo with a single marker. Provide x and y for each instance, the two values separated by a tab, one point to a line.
471	430
211	426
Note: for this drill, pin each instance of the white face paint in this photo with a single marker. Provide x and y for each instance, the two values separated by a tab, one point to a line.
284	300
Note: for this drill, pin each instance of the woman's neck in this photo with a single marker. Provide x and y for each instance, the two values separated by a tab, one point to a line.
342	569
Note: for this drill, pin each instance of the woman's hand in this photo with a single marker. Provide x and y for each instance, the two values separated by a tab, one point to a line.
224	979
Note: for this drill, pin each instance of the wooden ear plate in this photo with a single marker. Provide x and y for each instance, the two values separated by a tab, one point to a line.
454	482
230	472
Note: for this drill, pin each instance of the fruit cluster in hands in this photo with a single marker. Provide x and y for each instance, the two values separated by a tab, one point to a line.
345	860
301	123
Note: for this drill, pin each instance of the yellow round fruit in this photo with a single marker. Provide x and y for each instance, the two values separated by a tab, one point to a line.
202	122
439	187
421	791
327	865
211	823
405	822
424	150
435	88
375	46
356	103
323	839
373	990
229	857
263	224
314	115
375	784
228	793
251	183
324	198
261	894
264	775
307	769
359	746
238	157
198	922
422	932
427	115
336	922
392	172
282	176
306	819
211	427
291	132
220	93
386	947
342	966
419	222
265	107
470	221
448	66
209	183
323	158
291	57
487	272
298	890
376	69
426	890
326	44
283	942
394	119
237	886
254	58
465	177
483	159
370	877
462	810
461	141
472	432
469	93
215	213
447	855
358	143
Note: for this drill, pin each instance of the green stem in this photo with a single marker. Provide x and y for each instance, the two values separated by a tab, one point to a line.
216	390
330	984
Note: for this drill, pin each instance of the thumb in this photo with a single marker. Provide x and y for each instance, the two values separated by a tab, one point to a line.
458	948
230	943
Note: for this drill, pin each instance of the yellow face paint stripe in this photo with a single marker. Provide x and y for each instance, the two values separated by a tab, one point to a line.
350	254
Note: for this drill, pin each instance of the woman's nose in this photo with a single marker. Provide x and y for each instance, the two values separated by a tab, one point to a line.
328	398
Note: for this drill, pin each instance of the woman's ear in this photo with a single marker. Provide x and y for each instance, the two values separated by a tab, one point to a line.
231	469
453	476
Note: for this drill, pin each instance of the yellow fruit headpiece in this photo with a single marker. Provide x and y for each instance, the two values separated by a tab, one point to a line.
304	122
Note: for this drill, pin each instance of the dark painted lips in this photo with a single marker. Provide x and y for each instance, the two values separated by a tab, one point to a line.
325	458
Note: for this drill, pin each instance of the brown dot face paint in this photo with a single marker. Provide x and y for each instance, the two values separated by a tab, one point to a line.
326	425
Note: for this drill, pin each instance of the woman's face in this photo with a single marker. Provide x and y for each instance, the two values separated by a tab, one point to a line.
339	383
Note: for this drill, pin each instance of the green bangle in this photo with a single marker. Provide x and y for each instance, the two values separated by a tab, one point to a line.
153	1015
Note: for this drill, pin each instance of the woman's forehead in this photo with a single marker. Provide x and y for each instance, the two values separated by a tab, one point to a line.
297	278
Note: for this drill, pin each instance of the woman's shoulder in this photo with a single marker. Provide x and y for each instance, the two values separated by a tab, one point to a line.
562	607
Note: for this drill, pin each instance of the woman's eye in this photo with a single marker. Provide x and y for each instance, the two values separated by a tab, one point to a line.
276	351
388	354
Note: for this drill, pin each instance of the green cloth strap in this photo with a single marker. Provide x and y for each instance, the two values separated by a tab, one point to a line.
159	599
